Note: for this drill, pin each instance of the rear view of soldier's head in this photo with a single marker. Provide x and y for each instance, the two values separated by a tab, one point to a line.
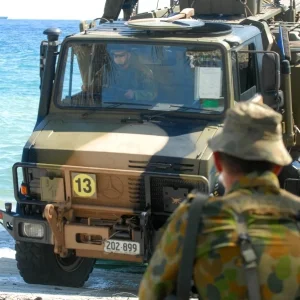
251	141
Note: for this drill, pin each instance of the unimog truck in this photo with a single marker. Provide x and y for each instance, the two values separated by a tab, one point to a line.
126	109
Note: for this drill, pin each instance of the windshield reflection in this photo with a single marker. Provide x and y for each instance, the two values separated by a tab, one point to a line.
150	77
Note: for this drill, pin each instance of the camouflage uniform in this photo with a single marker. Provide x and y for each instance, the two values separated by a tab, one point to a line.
115	82
128	7
270	215
113	8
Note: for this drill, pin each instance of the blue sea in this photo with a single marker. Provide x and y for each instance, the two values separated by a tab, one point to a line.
19	88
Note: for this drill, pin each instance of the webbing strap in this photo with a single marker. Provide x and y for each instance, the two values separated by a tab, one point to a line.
186	267
250	260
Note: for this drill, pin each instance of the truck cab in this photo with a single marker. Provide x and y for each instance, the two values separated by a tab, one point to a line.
125	113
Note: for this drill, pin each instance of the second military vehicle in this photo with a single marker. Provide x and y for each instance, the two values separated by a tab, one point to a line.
125	113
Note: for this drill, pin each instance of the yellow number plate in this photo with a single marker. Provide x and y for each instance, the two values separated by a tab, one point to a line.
84	185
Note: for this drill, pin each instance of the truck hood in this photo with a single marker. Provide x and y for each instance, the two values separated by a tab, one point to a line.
117	145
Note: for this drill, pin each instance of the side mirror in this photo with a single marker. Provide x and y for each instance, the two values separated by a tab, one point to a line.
271	92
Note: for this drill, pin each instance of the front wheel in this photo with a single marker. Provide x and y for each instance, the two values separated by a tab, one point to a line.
38	264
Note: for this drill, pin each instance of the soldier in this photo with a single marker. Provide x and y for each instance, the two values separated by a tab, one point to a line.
248	153
128	7
125	78
113	8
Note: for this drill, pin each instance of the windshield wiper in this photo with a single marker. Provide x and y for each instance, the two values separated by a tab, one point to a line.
113	105
150	117
132	120
117	104
185	108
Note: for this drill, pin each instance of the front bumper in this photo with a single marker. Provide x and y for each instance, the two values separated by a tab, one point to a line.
137	193
12	222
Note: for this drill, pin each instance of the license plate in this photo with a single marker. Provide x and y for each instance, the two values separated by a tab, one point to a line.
122	247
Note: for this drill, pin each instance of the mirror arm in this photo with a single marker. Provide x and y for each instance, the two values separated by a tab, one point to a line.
286	76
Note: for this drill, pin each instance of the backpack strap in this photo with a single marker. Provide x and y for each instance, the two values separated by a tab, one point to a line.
249	259
186	267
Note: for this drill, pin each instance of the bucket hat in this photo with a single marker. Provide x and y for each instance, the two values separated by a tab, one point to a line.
252	131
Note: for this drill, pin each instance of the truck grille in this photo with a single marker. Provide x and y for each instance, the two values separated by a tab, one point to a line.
163	166
161	186
165	192
136	191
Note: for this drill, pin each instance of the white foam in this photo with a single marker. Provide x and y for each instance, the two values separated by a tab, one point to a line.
7	253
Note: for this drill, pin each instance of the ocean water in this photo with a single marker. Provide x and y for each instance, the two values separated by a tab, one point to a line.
19	88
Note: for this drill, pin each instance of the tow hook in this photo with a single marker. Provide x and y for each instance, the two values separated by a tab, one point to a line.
57	228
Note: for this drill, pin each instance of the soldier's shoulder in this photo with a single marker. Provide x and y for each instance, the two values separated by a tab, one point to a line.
290	201
246	200
289	195
210	201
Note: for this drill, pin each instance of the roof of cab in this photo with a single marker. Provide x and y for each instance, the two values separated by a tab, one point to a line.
121	30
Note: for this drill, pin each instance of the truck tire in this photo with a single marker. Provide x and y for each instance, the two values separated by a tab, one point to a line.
38	264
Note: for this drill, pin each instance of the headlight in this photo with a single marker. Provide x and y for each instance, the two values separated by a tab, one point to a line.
33	230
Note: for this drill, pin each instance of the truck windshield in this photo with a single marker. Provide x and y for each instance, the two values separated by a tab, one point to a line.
150	77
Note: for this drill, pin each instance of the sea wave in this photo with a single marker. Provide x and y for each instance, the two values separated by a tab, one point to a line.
19	89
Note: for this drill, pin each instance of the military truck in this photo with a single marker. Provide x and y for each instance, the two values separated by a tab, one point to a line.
126	109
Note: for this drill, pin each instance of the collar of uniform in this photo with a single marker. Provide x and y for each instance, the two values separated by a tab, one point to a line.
267	180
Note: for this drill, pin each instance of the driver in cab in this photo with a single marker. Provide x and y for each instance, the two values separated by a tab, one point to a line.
123	77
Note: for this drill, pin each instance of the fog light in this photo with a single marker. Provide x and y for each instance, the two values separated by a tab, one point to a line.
32	230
